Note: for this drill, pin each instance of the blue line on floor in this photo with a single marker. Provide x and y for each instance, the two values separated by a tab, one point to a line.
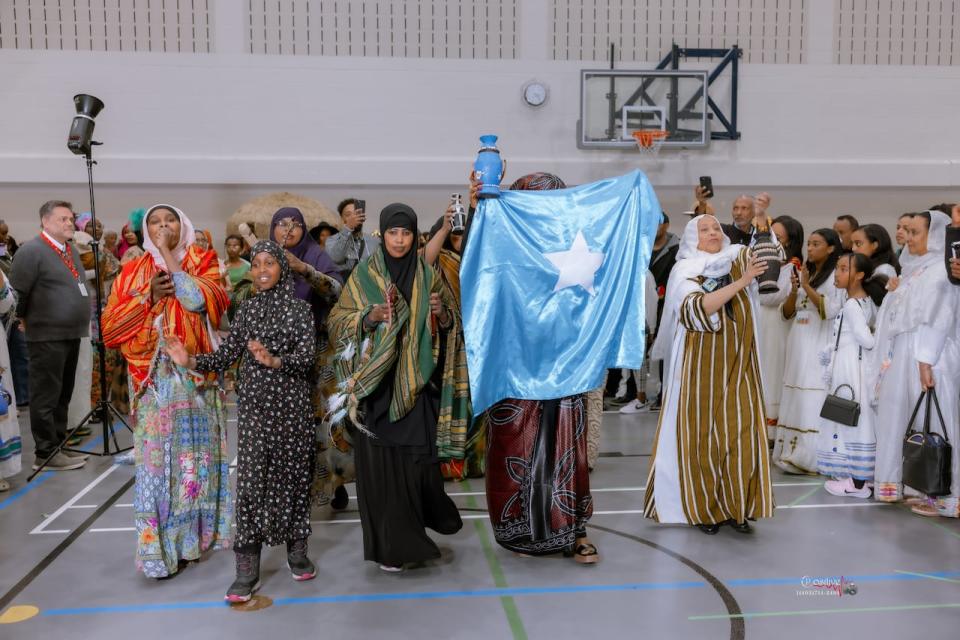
479	593
25	489
43	477
87	446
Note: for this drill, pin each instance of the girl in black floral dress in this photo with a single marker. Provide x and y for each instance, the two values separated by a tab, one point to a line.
273	333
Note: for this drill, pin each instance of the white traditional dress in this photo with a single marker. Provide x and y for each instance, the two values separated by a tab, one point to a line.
917	323
798	425
844	451
10	444
710	462
773	329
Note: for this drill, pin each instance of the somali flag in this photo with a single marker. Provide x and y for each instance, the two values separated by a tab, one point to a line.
553	288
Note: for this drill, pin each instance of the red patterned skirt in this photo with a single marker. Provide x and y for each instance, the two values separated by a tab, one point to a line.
538	482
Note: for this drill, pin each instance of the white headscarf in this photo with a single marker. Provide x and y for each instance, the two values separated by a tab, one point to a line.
187	236
924	293
691	263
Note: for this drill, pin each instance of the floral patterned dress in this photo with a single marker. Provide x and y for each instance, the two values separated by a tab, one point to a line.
181	495
182	504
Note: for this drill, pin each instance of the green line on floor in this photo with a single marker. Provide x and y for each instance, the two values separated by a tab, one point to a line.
508	603
932	521
814	612
806	495
925	575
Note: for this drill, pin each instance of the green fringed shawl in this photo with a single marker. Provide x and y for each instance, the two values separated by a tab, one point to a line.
365	357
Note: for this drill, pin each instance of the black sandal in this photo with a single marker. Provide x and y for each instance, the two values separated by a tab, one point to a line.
583	552
741	527
709	529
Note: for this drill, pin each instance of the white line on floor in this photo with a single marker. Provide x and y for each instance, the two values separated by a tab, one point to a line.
482	516
83	506
828	506
619	489
56	514
126	505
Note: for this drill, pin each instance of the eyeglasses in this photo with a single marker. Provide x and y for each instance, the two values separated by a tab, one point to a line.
288	225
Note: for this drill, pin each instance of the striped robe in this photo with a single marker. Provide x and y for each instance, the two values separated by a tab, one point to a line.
710	462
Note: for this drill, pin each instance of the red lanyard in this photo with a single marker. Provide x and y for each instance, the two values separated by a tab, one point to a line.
65	256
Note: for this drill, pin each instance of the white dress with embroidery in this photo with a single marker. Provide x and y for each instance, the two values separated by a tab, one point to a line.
804	390
844	451
773	330
10	445
917	323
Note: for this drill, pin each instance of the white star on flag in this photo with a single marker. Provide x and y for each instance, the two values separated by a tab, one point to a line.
578	265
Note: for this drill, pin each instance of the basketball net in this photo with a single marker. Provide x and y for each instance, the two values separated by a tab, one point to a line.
649	141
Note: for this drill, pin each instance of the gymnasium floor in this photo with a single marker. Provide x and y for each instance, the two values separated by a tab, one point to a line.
66	548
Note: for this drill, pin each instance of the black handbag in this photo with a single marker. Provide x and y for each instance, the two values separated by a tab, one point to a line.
837	409
841	410
927	455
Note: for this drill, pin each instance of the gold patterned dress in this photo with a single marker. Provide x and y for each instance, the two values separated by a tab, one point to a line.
710	462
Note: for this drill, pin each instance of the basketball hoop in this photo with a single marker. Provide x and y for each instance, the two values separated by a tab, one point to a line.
649	141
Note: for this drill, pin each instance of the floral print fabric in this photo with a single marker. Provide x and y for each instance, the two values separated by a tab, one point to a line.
181	495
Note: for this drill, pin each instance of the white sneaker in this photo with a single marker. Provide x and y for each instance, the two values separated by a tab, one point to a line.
846	489
391	569
633	407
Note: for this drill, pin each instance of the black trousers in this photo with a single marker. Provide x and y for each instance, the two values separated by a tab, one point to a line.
53	368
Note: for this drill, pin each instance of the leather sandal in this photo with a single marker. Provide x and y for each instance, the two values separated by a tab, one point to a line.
709	529
583	552
925	510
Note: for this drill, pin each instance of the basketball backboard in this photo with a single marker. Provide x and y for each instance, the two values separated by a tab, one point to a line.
615	103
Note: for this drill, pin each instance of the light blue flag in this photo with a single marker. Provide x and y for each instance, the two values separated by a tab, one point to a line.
553	288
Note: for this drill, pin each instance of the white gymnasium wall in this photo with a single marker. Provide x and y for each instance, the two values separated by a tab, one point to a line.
211	102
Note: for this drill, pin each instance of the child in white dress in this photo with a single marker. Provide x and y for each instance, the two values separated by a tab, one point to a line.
847	454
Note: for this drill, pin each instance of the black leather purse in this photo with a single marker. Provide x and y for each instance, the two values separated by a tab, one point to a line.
837	409
927	455
841	410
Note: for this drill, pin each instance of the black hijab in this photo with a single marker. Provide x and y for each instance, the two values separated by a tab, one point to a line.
402	270
269	313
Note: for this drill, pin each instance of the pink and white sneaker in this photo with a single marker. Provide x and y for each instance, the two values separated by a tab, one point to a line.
845	488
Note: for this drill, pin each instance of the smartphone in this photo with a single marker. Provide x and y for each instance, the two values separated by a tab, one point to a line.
706	183
955	250
361	205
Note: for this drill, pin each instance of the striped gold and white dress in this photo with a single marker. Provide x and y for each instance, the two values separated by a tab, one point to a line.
710	462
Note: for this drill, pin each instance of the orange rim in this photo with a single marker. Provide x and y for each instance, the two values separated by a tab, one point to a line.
647	137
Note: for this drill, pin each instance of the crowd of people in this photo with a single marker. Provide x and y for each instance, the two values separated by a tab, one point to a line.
347	354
